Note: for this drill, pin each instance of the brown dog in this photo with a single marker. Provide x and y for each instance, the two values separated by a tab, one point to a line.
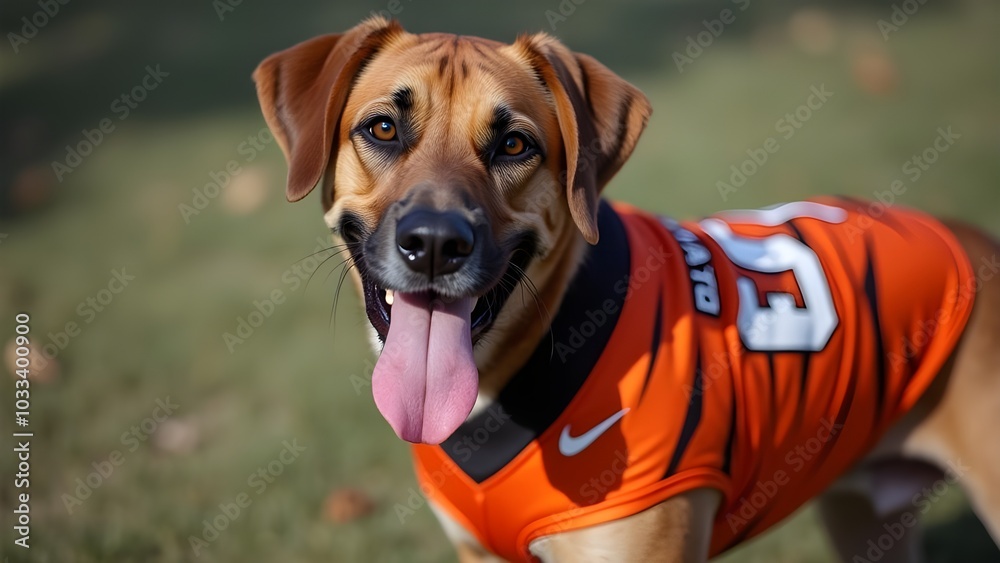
455	169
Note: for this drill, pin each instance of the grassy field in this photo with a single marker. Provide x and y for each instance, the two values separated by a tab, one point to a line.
235	407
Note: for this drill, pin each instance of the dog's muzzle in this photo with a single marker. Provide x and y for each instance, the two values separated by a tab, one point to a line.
434	282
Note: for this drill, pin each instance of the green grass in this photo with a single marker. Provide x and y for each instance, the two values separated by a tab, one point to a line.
292	379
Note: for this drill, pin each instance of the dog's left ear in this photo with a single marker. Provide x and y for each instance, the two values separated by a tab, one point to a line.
302	91
601	117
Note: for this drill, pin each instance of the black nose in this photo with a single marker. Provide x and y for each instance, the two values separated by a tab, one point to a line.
434	243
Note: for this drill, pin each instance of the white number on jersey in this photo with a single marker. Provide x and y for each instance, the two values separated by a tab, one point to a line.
781	325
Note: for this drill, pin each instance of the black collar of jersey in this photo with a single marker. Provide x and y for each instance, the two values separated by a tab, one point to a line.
542	389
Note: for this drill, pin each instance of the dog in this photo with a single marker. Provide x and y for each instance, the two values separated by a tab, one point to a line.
586	381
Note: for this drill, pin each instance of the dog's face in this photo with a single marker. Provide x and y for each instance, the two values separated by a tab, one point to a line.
450	166
443	147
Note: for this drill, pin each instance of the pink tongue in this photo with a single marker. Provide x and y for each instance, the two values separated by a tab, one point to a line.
425	381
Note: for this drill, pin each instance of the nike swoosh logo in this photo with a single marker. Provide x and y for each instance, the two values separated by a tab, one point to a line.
570	446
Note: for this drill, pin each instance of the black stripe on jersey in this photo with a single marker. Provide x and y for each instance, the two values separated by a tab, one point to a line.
871	291
691	420
796	231
542	389
804	375
751	524
803	390
845	409
845	406
654	347
770	368
727	462
912	363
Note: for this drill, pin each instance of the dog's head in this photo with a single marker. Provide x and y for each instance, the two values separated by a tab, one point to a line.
449	166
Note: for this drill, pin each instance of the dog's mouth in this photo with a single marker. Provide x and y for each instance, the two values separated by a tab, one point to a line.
379	301
426	381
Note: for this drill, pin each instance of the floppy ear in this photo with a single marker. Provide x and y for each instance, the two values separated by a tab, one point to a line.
601	117
302	91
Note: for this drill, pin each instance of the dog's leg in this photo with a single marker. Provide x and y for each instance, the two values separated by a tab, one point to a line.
677	530
467	547
859	531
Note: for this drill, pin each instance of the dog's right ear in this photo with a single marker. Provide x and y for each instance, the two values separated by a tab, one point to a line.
302	91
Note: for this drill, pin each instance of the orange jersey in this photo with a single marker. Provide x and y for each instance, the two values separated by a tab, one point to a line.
760	353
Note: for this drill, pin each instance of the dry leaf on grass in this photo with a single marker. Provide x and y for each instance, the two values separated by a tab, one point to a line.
346	504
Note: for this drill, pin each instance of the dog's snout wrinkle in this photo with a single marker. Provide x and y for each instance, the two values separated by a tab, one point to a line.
434	243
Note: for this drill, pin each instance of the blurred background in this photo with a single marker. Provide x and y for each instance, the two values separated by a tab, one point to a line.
191	399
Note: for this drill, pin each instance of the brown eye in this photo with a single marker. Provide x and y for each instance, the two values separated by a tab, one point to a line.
383	130
514	145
